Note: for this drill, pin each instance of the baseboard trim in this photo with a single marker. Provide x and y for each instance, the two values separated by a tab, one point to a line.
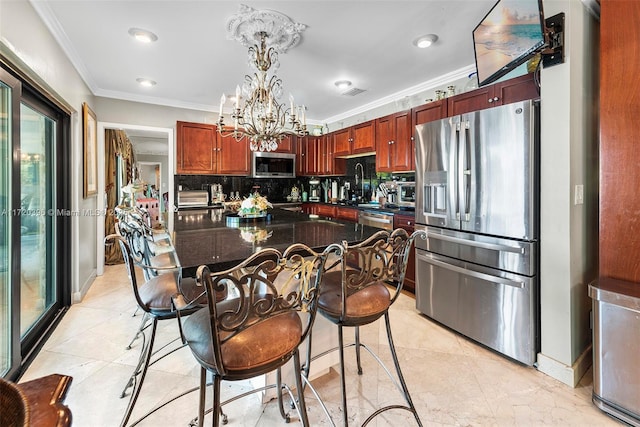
79	296
570	375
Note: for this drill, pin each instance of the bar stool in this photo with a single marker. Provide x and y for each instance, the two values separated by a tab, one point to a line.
154	298
145	245
355	292
259	329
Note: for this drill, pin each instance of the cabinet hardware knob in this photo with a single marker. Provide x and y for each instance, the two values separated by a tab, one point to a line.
496	98
490	100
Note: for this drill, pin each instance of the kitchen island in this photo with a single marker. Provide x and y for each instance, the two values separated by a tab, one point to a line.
203	236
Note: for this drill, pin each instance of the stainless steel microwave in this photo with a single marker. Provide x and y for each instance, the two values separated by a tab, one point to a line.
273	165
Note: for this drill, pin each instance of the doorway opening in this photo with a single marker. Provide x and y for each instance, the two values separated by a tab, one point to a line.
151	145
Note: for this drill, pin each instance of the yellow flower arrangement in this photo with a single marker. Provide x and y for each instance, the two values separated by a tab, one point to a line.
254	205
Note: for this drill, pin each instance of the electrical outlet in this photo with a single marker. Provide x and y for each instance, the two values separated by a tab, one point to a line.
578	195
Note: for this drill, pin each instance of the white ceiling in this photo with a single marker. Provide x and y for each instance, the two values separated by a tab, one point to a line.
367	42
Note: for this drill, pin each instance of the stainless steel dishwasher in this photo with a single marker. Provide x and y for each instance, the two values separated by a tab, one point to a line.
382	220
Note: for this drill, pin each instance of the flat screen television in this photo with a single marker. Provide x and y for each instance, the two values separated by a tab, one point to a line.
510	34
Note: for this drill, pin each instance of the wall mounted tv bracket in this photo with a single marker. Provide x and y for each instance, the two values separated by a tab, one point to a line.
553	54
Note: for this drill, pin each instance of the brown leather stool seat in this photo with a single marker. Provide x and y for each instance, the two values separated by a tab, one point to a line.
251	350
363	306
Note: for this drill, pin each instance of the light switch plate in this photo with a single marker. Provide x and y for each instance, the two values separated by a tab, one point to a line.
578	195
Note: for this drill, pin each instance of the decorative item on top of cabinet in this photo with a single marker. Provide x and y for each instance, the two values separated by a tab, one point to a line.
357	139
501	93
198	151
407	222
395	150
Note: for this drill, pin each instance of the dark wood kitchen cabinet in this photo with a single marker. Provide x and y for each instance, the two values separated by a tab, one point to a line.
502	93
395	150
407	222
357	139
326	210
315	157
347	214
200	150
287	144
304	155
429	112
196	145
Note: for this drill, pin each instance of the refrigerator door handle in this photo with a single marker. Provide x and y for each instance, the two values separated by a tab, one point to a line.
483	245
455	135
460	168
467	272
466	171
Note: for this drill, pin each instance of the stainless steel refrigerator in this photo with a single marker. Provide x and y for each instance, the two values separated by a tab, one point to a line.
477	190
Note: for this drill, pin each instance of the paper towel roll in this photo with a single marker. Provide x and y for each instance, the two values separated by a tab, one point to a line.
334	189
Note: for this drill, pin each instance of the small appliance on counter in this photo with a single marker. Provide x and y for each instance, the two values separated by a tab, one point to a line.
406	194
193	199
216	197
314	190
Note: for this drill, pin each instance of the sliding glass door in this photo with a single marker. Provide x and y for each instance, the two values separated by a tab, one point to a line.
9	94
34	238
37	257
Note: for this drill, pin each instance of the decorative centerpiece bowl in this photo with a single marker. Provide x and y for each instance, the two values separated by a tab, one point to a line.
254	206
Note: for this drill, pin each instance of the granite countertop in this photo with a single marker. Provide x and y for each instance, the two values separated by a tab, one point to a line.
201	236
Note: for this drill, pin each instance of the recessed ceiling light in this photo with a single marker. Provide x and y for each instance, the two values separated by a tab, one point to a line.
425	41
143	36
145	82
342	84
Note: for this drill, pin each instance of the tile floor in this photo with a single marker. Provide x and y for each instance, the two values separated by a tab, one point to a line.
452	380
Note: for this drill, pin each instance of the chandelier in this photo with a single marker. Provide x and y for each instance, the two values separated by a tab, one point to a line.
257	115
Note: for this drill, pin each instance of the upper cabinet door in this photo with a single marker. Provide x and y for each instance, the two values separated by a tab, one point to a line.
342	142
384	136
364	138
394	143
196	148
287	144
402	146
429	112
233	157
201	151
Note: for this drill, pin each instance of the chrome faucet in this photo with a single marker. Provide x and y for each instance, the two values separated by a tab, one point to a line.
362	179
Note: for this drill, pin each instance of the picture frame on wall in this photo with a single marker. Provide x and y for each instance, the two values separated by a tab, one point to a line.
90	151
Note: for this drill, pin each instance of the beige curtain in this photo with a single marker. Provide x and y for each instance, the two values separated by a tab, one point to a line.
116	143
